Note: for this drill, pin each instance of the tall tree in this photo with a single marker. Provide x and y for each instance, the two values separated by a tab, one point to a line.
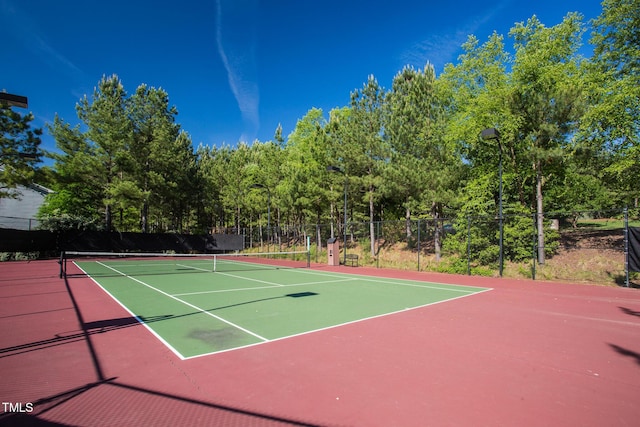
109	128
19	149
366	152
238	169
410	106
304	168
337	135
182	193
474	95
156	152
79	176
213	176
547	95
423	167
132	158
610	129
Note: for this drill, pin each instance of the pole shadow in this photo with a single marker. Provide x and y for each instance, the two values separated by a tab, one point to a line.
626	352
45	405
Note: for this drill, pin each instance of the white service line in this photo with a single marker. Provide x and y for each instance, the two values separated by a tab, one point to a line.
142	322
400	282
265	287
188	304
193	268
376	316
250	279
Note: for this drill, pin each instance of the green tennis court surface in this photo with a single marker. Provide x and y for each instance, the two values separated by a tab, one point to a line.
203	313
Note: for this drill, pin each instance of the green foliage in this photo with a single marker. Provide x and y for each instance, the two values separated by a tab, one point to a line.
57	221
306	157
569	142
18	256
423	169
459	265
480	237
19	150
132	162
610	129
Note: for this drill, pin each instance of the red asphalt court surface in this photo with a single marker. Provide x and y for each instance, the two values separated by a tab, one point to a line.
524	354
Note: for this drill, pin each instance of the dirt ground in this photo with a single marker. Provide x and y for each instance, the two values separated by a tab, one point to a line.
588	256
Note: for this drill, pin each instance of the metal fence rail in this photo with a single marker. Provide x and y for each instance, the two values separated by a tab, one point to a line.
579	246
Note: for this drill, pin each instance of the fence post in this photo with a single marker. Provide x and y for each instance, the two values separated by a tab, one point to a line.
318	241
418	244
468	245
626	247
535	241
378	240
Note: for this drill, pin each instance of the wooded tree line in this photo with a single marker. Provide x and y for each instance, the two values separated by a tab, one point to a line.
568	123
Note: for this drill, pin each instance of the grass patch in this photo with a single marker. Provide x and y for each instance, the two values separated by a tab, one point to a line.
606	223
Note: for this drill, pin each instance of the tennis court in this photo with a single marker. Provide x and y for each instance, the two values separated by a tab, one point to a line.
72	355
200	305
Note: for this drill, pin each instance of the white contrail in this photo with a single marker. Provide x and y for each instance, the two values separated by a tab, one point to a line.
239	63
21	27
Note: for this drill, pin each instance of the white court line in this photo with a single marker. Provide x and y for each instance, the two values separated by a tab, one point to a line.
188	304
343	278
250	279
190	267
341	324
400	282
263	287
142	322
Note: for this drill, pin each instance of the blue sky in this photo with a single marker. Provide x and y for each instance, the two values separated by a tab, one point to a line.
236	68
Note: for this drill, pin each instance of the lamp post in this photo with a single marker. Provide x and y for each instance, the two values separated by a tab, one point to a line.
488	134
344	243
264	187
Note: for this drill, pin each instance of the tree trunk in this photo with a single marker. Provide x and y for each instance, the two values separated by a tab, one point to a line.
238	220
435	211
372	230
107	208
144	217
107	217
278	232
540	215
407	221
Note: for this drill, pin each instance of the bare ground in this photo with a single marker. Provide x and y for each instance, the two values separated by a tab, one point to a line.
592	256
587	256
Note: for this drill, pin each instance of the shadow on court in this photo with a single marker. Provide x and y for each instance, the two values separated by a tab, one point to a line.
626	352
118	402
108	325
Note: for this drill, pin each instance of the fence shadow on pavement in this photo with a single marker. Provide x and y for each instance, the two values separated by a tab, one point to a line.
152	407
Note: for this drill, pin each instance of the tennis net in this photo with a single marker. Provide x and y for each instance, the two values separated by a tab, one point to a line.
99	264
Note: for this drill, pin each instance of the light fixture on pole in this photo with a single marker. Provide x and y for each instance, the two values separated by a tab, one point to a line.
344	243
264	187
488	134
13	100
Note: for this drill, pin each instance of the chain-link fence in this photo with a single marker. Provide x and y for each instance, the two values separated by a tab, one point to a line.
585	246
16	223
